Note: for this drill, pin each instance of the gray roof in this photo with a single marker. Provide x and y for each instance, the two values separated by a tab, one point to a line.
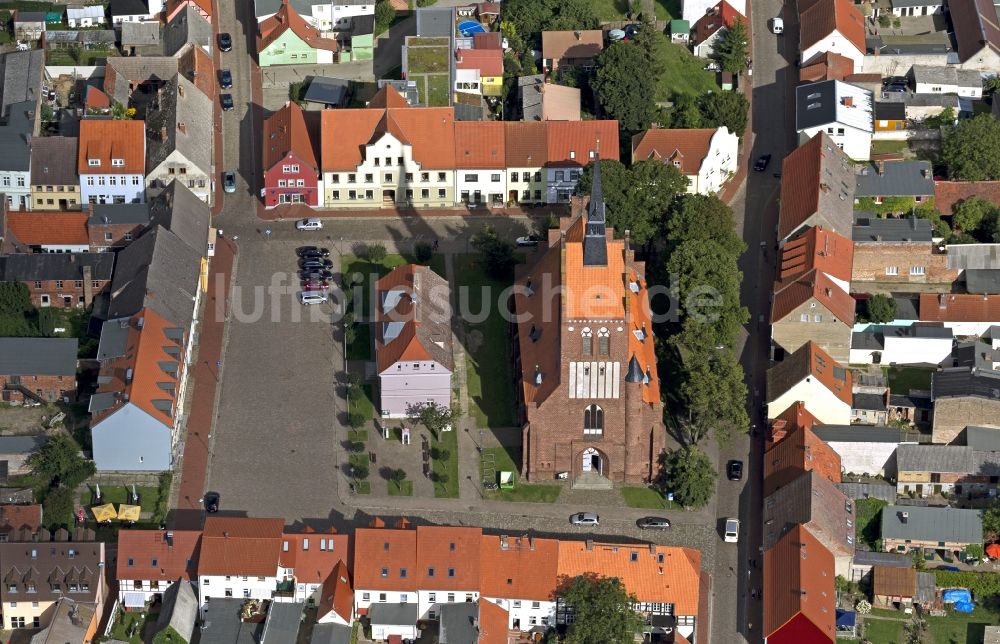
181	116
975	353
128	8
934	458
38	356
950	525
86	36
179	609
809	499
961	382
330	634
29	16
188	26
406	88
890	559
986	281
435	21
14	137
282	624
53	161
181	212
906	307
983	439
869	401
328	91
895	179
114	339
140	34
32	267
869	490
159	271
394	614
362	25
134	70
909	400
870	339
70	622
871	229
858	434
922	100
530	88
916	3
890	111
926	588
979	256
946	75
22	77
21	444
458	623
85	11
136	214
222	623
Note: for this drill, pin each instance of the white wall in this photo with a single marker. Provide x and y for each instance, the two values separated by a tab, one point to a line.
856	143
133	190
865	458
916	350
483	181
820	401
210	586
526	612
719	163
917	11
837	44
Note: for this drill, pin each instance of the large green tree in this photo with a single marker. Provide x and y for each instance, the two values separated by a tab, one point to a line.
684	113
655	46
880	308
714	394
531	17
59	459
621	87
969	149
690	476
603	610
733	51
977	218
727	108
497	254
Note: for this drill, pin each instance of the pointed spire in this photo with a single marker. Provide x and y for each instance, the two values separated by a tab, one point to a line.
634	371
595	243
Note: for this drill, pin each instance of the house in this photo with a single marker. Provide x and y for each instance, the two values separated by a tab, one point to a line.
811	301
359	33
932	470
963	397
177	209
56	232
151	561
542	101
19	109
680	31
890	120
282	622
223	622
239	558
36	576
965	313
122	11
817	188
21	523
321	14
570	146
60	279
810	375
864	563
519	575
413	341
141	39
14	453
84	16
869	408
569	49
179	610
125	75
526	152
328	92
707	157
315	566
977	34
799	452
478	622
336	597
179	145
841	110
692	10
906	8
905	528
71	621
799	597
479	71
980	268
172	7
916	344
928	79
831	26
187	27
863	449
881	180
29	25
114	226
480	163
711	29
891	253
291	162
111	161
919	107
286	39
615	397
54	182
38	368
893	586
795	417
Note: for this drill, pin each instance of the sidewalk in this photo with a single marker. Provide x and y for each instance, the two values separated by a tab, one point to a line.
299	211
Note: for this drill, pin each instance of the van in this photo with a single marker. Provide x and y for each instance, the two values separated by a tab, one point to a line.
778	26
313	297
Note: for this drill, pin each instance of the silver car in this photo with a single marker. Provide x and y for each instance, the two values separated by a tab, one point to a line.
585	518
312	223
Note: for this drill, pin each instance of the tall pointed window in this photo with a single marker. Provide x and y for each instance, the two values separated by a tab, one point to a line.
593	420
603	341
587	341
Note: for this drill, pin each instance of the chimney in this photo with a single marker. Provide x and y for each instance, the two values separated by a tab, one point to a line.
848	101
577	34
829	292
182	126
904	516
881	168
180	91
88	285
824	187
590	545
163	134
942	301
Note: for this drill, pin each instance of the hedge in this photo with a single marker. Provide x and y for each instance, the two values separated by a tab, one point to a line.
982	584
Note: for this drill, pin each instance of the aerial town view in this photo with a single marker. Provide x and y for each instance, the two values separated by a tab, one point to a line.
511	322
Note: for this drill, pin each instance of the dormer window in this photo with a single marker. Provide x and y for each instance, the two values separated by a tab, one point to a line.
118	163
94	163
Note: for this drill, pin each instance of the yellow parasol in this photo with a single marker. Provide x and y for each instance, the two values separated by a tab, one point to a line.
104	513
129	512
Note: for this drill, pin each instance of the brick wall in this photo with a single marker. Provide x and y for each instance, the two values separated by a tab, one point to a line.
55	292
831	334
953	415
105	236
872	260
50	388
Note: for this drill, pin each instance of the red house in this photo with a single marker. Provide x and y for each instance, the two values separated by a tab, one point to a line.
291	166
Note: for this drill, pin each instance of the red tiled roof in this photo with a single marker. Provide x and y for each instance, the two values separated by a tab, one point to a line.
452	553
388	96
721	15
489	62
804	190
489	40
814	285
240	546
493	622
105	140
948	194
799	597
826	66
426	332
975	25
376	549
557	45
821	18
793	418
337	594
525	143
176	558
578	143
959	307
810	360
96	99
18	517
810	264
480	144
526	568
800	451
314	565
287	18
32	228
685	149
286	133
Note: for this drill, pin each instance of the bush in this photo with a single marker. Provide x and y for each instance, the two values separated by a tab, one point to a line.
375	253
425	3
356	419
361	471
384	15
423	251
58	507
981	584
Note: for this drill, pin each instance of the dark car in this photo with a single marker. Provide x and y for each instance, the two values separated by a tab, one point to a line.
226	79
212	502
948	568
316	252
762	162
653	523
734	470
225	42
315	263
301	250
227	102
315	275
631	31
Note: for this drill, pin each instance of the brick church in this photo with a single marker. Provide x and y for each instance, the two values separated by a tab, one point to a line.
588	391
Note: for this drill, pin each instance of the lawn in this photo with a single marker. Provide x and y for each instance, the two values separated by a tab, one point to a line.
361	273
889	147
357	435
362	405
438	89
427	61
883	631
87	57
129	626
685	74
149	498
403	488
868	520
445	467
491	389
612	10
964	629
903	379
528	492
643	497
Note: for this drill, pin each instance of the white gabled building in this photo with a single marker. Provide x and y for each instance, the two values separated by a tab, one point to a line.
831	26
150	560
240	558
928	79
480	163
326	16
111	161
844	111
812	377
707	157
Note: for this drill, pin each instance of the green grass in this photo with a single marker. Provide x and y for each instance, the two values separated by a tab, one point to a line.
149	499
881	631
87	57
438	89
685	74
612	10
124	626
445	470
889	147
362	405
526	492
491	390
363	487
643	497
964	629
868	521
358	435
903	379
403	488
427	56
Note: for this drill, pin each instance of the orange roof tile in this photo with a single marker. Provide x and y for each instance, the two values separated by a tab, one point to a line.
800	451
685	149
675	579
948	194
286	133
799	597
388	96
821	18
493	622
18	517
810	360
96	99
337	594
643	349
952	307
198	66
429	131
817	249
825	369
286	19
313	565
383	549
175	558
811	187
826	66
788	421
240	546
595	291
525	144
104	140
480	144
447	557
721	15
489	62
422	309
527	568
33	228
577	143
557	45
790	295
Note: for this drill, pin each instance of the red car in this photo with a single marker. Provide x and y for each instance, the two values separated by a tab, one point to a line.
315	286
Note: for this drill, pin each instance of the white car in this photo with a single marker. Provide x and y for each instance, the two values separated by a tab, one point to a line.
313	297
528	240
312	223
732	533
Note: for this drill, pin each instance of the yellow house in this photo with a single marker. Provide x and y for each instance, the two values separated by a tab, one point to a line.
526	154
55	184
479	71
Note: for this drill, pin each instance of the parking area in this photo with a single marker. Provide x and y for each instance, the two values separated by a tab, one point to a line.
273	444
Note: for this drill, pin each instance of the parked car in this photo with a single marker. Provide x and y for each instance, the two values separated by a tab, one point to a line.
312	223
734	470
225	42
309	274
302	251
527	240
653	523
315	286
313	297
211	502
315	263
585	518
732	533
949	568
225	79
778	26
762	162
229	181
227	102
317	252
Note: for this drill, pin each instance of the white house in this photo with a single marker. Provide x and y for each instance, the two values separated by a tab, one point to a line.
907	8
111	161
326	16
693	10
834	26
863	449
240	558
928	79
707	157
845	112
480	162
150	560
84	15
811	376
318	562
134	10
915	344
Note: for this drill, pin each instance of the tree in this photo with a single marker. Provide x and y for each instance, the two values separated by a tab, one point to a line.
423	252
603	610
58	507
528	66
969	149
685	113
725	108
528	17
928	211
15	299
375	253
991	521
976	217
497	254
733	51
715	395
690	476
655	46
434	417
880	309
572	15
385	14
622	88
60	459
47	114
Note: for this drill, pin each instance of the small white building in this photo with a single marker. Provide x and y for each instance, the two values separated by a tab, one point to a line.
907	8
831	26
916	344
845	112
811	376
325	15
707	157
863	449
84	15
928	79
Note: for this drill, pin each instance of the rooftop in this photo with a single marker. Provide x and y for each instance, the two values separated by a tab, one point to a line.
895	179
809	360
871	229
39	357
951	525
817	188
820	104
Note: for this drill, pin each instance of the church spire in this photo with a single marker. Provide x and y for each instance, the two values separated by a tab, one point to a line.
595	243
